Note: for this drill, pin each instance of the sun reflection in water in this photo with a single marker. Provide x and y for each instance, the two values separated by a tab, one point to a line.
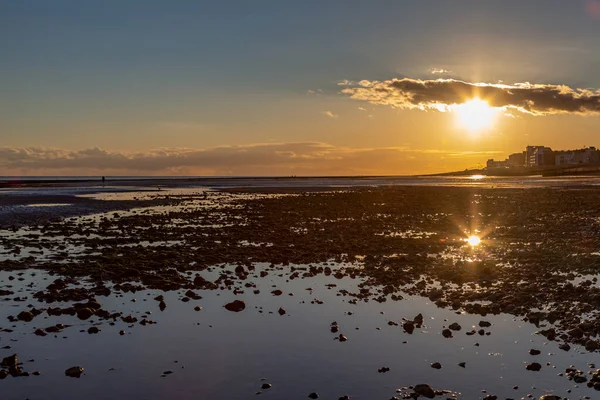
474	240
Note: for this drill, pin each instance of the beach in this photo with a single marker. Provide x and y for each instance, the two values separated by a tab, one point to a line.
294	287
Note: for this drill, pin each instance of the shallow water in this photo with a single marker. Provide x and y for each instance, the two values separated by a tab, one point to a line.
218	354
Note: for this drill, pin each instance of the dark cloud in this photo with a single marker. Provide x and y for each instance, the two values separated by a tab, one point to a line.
442	94
307	158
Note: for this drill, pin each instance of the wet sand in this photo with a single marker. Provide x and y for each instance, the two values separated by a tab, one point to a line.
377	248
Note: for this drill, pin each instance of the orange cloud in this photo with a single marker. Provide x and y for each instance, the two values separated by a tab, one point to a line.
441	94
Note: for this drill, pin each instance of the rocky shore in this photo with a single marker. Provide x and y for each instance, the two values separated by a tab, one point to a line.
538	259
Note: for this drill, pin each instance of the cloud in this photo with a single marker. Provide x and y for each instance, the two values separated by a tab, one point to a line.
435	71
593	8
329	114
442	94
317	92
362	109
297	158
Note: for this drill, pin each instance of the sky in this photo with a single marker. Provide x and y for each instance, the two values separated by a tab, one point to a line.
312	87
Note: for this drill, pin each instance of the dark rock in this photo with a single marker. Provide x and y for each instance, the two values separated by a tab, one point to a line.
436	365
281	311
266	386
424	390
93	330
485	324
236	306
409	327
313	395
455	326
25	316
74	372
534	352
534	367
84	313
447	333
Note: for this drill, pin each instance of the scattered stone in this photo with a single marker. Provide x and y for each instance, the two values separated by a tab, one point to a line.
534	352
236	306
534	367
436	365
74	372
313	395
424	390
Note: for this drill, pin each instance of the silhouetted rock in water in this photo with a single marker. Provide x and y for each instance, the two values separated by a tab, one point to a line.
424	390
197	308
344	397
490	397
455	326
534	352
40	332
342	338
550	397
485	324
281	311
25	316
447	333
84	313
277	292
236	306
93	330
409	327
564	347
418	320
592	345
266	386
162	305
192	295
74	372
3	373
436	365
313	395
462	364
383	370
534	367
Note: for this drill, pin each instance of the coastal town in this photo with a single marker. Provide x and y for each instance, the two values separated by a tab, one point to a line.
543	160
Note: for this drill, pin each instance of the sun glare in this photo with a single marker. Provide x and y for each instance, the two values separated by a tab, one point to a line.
474	240
475	115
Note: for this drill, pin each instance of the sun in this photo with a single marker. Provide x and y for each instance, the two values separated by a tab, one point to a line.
475	115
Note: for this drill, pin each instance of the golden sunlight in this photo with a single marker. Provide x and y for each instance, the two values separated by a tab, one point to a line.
474	240
475	115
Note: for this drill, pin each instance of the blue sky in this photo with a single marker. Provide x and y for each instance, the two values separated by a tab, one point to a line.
125	74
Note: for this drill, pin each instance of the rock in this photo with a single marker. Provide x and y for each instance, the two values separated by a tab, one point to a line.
192	295
40	332
485	324
3	373
162	305
10	361
313	395
409	327
236	306
266	386
436	365
383	370
84	313
424	390
534	352
198	308
534	367
121	332
281	311
462	364
592	345
25	316
277	292
447	333
550	397
455	326
342	338
93	330
74	372
418	320
159	298
564	347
